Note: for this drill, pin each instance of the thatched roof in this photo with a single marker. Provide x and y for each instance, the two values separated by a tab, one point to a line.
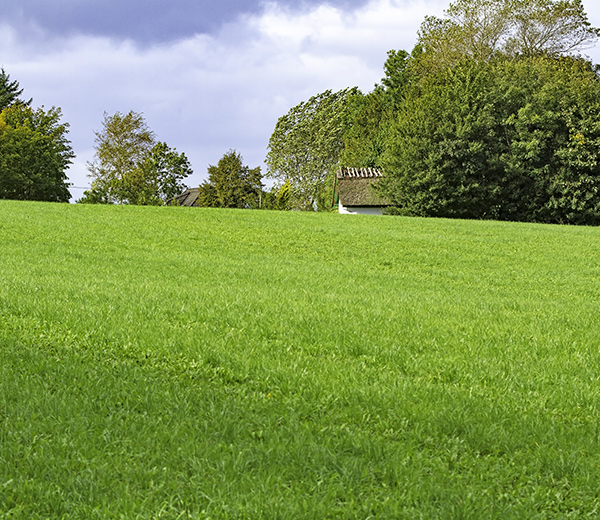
187	198
355	187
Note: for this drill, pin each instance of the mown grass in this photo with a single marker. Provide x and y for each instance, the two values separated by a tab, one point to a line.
189	363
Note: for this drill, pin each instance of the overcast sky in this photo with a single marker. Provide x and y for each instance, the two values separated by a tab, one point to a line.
208	75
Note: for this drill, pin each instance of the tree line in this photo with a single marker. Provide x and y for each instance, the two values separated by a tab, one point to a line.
494	114
130	165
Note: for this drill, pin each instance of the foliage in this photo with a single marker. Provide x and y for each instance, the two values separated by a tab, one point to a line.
490	116
481	29
473	28
158	178
34	154
307	143
278	198
550	27
34	150
235	364
499	140
10	92
372	114
121	146
230	184
397	73
365	137
131	167
96	195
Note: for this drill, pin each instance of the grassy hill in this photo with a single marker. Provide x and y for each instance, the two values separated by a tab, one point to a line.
187	363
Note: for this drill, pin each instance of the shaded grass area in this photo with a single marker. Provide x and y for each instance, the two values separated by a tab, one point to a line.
190	363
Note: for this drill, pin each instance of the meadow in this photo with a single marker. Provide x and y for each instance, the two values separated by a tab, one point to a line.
182	363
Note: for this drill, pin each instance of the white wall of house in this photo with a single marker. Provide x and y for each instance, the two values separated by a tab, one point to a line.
360	210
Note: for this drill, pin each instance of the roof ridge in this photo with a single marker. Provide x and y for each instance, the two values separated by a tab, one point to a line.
365	172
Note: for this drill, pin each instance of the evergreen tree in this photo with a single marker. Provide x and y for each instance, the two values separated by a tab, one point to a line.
10	92
230	184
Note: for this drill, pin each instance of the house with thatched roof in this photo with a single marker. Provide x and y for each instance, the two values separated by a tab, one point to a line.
187	198
354	191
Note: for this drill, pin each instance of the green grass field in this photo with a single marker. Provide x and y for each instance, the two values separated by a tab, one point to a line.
186	363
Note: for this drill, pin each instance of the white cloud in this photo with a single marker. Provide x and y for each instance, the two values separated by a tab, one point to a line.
206	94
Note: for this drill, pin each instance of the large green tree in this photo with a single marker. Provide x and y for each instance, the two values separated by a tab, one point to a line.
34	150
230	184
493	115
131	167
121	146
504	139
34	154
158	177
480	29
306	146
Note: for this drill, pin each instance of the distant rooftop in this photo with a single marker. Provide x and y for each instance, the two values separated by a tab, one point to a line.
187	198
354	187
359	173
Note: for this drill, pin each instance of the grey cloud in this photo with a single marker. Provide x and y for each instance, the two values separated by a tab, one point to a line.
144	21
